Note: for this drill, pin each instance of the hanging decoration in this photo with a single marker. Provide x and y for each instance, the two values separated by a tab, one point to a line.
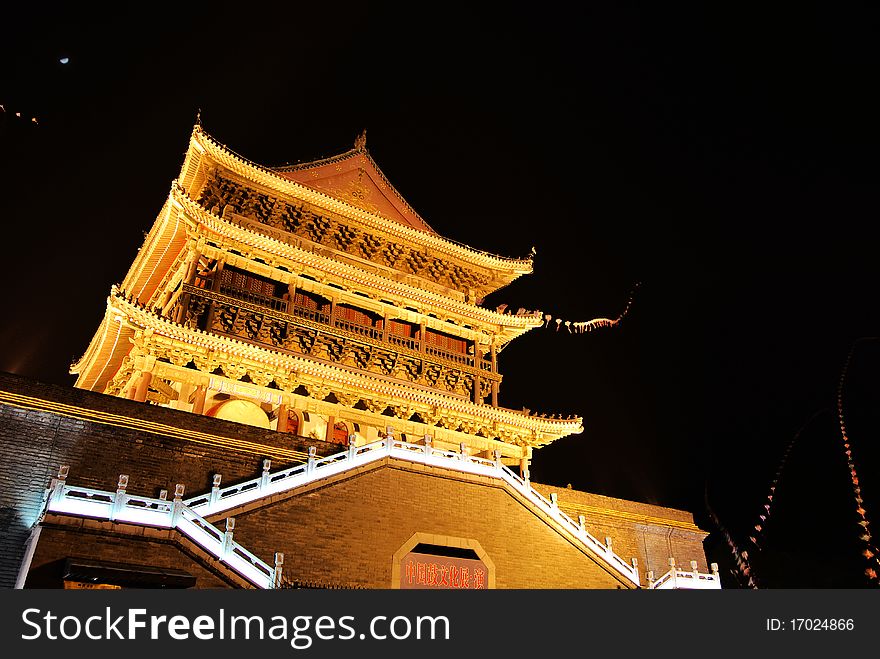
579	327
743	571
760	526
18	115
870	551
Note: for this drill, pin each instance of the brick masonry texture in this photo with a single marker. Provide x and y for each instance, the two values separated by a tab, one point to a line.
34	443
56	545
652	534
349	530
340	533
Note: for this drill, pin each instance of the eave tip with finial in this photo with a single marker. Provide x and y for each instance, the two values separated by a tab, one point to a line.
361	142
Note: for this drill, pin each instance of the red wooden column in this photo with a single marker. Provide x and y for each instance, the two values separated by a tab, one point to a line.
143	386
494	355
282	418
291	296
199	399
331	424
478	363
218	275
189	278
215	287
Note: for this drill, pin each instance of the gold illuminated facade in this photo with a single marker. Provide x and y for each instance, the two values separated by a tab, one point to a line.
314	300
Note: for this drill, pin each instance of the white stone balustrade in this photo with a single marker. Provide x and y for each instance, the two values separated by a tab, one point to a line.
677	578
122	507
189	516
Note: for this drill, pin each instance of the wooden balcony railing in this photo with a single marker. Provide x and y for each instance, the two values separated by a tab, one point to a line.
457	357
357	328
274	303
286	311
309	314
404	341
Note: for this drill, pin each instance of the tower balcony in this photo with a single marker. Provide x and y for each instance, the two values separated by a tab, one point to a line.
288	327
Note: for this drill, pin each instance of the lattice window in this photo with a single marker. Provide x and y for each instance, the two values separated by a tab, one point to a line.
400	328
445	342
308	301
354	315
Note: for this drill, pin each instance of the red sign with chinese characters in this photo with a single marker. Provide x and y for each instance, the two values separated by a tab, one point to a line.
445	572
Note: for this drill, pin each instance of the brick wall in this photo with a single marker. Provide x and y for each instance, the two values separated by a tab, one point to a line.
44	426
652	534
58	543
346	531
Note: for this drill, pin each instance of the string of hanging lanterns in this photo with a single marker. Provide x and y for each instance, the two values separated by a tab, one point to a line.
870	552
760	526
579	327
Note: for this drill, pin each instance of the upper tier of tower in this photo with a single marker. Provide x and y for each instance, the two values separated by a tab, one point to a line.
346	205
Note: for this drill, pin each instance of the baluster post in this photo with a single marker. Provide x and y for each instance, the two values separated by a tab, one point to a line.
177	504
279	562
226	551
264	477
120	498
215	489
389	439
56	487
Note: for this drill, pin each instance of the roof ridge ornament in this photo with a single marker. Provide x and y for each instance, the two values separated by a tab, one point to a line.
360	144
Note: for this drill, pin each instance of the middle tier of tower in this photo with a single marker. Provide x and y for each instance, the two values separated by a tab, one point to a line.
223	293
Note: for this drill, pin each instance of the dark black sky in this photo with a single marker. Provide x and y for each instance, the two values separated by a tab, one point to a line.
726	160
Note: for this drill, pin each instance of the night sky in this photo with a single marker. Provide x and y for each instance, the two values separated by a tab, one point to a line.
725	160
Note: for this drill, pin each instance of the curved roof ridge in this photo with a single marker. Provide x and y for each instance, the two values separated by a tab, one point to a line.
360	149
481	313
329	160
199	130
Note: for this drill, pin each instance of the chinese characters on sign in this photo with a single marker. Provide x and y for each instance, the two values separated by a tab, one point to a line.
431	571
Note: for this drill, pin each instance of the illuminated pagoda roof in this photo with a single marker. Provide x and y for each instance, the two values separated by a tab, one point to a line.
356	178
332	186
